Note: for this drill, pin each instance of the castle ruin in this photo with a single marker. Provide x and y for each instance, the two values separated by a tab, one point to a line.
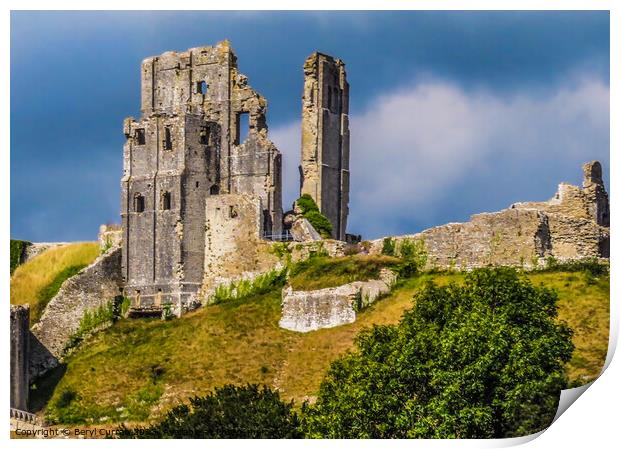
324	169
188	146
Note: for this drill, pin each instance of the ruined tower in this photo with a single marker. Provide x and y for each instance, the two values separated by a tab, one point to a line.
186	146
325	139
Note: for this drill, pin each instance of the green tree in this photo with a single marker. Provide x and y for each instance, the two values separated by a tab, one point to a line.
481	360
229	412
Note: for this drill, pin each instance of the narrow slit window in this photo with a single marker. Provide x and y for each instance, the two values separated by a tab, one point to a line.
243	127
167	138
202	87
140	136
166	201
138	205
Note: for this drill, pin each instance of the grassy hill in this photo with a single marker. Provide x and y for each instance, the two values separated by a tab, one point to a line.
38	280
135	370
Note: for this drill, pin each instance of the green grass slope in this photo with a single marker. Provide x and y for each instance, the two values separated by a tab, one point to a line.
137	369
37	281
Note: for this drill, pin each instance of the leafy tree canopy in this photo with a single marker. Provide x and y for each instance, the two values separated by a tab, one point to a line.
229	412
481	360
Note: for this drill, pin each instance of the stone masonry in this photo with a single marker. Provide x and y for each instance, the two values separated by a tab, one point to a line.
92	287
233	240
186	148
574	224
325	139
305	311
20	353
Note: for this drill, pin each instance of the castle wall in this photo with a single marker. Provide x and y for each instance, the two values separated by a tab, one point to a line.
20	353
233	243
325	139
91	288
574	224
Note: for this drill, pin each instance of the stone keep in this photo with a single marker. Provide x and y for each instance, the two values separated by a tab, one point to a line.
186	147
325	139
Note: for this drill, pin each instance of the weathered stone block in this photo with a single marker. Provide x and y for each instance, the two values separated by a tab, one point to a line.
305	311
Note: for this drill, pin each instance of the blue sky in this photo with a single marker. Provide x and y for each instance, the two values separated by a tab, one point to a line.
452	113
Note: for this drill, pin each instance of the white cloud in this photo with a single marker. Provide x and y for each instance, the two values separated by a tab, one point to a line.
413	150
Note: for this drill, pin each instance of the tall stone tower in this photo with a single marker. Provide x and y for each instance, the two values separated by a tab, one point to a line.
186	146
325	139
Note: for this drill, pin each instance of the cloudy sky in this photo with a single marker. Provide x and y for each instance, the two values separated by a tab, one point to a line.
452	113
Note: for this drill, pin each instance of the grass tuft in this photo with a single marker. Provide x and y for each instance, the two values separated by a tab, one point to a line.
325	272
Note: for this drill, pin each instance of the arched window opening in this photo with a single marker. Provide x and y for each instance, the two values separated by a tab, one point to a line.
214	190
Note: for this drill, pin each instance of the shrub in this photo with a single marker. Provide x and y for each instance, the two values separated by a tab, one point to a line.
102	316
481	360
389	248
311	212
107	244
245	288
229	412
413	255
306	203
320	223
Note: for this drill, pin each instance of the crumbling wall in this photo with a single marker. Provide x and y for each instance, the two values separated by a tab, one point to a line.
572	225
234	248
20	353
34	249
185	148
325	139
91	288
305	311
233	243
110	235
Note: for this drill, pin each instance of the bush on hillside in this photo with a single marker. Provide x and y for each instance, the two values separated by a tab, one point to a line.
389	248
320	223
481	360
306	203
311	212
413	255
229	412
